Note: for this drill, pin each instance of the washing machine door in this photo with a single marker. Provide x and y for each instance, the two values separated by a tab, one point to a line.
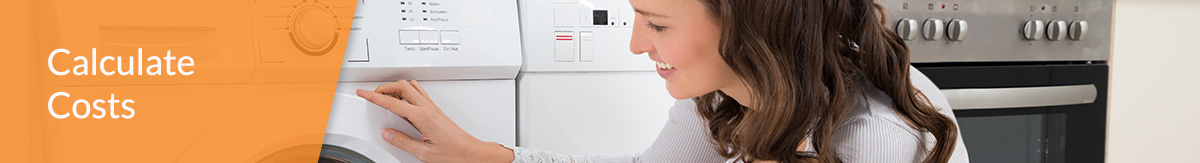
353	133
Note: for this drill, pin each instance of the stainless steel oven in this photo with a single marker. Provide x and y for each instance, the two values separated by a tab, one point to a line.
1027	79
1051	112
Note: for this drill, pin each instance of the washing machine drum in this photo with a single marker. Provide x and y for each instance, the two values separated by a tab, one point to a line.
337	154
353	133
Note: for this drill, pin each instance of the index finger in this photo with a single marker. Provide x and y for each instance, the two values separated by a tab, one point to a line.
400	108
405	91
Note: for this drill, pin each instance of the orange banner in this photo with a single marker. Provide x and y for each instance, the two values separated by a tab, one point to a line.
170	81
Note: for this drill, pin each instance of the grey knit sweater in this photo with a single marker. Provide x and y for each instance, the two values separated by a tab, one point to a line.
872	132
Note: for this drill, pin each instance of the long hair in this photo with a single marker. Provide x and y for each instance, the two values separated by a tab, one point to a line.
801	59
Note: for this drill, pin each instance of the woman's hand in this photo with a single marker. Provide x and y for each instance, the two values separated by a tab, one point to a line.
441	139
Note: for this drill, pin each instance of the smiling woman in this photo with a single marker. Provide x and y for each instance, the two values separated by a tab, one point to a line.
759	81
828	72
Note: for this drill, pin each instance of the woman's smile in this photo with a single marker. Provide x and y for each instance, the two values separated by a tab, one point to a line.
665	69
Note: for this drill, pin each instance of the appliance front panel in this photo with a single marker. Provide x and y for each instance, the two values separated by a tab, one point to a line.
1003	30
592	113
433	40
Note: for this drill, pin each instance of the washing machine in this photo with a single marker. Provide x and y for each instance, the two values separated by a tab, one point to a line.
582	91
465	53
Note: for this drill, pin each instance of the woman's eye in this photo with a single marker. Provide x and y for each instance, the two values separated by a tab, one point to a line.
657	28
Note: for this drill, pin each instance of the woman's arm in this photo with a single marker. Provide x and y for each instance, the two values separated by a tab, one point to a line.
441	139
683	139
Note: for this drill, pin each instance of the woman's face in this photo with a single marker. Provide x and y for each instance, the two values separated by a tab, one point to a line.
683	38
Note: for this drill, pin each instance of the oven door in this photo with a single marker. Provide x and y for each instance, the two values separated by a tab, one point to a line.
1028	113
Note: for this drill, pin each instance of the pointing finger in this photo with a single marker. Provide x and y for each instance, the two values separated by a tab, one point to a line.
401	108
405	90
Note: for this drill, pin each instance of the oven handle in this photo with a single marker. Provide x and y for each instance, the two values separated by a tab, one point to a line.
1018	97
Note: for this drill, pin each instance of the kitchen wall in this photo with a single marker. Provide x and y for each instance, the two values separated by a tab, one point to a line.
1154	111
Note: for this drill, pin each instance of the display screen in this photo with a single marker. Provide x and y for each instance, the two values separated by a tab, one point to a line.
599	17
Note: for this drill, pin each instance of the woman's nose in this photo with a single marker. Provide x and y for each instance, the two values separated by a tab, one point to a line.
639	43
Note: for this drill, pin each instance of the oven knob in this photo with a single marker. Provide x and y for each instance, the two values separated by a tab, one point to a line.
1078	30
933	29
957	30
1057	30
907	29
1033	29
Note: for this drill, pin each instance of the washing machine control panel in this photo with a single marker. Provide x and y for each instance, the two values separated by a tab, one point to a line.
1002	30
579	35
433	40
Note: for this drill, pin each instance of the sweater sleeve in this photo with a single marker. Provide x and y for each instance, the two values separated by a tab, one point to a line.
873	139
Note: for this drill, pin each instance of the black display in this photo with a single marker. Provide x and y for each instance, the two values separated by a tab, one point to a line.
599	17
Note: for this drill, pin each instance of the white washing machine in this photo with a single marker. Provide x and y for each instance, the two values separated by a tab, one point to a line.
465	53
581	90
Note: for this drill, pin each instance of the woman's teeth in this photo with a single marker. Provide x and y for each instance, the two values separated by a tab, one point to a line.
664	66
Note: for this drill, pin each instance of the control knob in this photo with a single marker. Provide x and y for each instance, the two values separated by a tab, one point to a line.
933	29
1078	30
1033	29
1057	30
957	30
907	29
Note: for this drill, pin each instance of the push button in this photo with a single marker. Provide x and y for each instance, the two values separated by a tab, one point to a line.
356	49
564	46
408	37
450	37
430	37
586	46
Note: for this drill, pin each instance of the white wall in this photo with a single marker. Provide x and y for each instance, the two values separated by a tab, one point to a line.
1155	87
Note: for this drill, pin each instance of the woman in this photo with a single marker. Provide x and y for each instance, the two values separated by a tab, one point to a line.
765	81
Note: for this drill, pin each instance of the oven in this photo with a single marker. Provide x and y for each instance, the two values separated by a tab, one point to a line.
1028	112
1027	79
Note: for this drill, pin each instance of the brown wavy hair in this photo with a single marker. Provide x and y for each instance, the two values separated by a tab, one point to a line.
802	60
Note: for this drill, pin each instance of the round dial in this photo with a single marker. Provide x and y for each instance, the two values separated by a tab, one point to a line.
907	29
314	29
1078	30
1057	30
957	30
1033	30
933	29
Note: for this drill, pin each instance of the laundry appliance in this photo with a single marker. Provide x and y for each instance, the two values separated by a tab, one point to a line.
582	91
465	53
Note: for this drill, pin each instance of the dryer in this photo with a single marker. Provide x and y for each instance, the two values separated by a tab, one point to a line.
582	91
466	53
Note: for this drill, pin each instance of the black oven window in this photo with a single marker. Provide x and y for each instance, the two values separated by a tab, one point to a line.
1033	138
